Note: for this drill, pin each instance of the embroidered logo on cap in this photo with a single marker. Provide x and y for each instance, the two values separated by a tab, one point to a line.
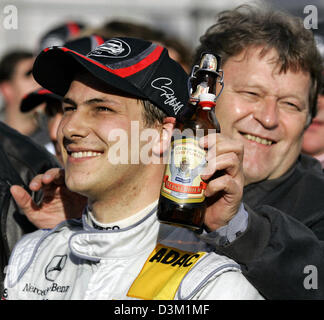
114	48
167	93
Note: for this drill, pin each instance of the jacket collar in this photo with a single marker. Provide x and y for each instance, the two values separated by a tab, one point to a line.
93	244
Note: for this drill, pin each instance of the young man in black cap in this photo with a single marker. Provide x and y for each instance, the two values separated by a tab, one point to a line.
119	250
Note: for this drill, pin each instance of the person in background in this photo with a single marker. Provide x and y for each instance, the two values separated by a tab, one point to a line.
313	142
16	80
51	104
178	50
60	34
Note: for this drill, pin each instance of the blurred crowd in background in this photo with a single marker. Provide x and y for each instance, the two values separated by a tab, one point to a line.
37	113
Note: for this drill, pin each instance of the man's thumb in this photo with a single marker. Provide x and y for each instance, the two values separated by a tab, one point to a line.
22	198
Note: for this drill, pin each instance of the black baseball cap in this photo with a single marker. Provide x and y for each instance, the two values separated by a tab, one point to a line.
61	33
37	97
82	45
134	66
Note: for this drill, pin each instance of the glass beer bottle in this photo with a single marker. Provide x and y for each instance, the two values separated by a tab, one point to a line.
182	200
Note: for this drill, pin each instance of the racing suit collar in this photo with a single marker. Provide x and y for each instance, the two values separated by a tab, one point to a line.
120	224
93	244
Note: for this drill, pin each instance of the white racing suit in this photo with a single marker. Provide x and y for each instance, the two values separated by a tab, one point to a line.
147	260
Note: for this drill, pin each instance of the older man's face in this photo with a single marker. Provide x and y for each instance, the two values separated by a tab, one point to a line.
265	110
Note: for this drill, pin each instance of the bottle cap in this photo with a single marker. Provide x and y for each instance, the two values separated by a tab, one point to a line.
207	100
207	97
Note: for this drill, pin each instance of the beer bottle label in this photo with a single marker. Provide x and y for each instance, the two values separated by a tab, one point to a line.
182	182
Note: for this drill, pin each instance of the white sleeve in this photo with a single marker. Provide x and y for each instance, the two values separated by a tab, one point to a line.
231	285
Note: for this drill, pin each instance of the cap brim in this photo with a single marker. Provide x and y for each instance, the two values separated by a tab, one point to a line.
55	69
34	99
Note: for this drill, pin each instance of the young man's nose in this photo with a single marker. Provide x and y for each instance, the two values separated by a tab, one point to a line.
76	124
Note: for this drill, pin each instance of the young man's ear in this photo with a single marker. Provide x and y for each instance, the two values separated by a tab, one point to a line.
162	143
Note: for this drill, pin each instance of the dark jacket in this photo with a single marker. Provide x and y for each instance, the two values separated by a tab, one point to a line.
286	232
20	160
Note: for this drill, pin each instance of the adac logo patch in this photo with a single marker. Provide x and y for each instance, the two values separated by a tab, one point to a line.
55	266
113	48
162	273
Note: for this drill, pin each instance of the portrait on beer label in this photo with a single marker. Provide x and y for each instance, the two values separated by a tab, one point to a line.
182	182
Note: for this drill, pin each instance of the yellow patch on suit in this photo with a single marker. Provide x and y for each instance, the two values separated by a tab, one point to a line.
162	273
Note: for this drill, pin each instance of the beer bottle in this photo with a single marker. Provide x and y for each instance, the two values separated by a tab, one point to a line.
182	200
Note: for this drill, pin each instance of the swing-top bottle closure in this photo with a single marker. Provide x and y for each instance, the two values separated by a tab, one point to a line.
207	101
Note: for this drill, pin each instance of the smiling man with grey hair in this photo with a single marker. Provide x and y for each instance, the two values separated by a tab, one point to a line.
272	76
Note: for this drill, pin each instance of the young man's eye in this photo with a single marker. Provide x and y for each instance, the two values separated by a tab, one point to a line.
102	108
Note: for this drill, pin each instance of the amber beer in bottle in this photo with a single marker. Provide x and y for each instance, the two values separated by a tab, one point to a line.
182	200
